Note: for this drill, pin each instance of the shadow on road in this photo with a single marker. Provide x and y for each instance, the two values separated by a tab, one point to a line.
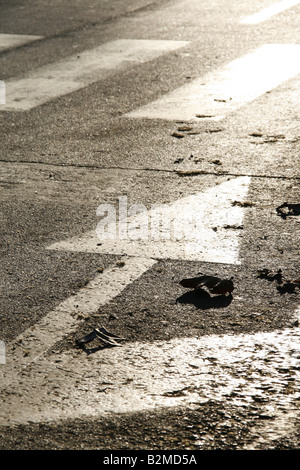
202	300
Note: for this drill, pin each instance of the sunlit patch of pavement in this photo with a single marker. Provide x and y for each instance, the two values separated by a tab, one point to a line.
245	369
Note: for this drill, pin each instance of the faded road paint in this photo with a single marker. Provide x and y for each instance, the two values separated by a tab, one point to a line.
81	70
270	11
223	91
9	41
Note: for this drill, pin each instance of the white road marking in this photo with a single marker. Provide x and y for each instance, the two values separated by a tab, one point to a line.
224	91
269	12
66	317
8	41
81	70
207	221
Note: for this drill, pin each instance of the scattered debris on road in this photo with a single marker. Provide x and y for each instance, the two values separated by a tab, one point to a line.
256	134
287	209
270	276
191	158
217	162
243	203
109	339
268	139
233	227
215	285
177	134
289	286
120	263
221	100
283	285
205	116
184	130
211	131
179	160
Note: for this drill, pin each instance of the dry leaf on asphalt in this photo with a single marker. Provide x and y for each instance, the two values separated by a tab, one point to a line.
214	284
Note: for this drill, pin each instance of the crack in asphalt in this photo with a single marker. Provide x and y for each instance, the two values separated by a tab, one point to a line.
181	173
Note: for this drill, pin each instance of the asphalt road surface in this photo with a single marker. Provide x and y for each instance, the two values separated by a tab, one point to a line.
143	143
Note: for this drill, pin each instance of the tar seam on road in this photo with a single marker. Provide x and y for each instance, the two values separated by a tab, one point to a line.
158	170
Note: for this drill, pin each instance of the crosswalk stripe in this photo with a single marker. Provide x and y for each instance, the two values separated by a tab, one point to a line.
229	88
9	41
268	12
80	70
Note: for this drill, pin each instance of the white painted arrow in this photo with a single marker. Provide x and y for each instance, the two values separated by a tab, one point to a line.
212	208
200	227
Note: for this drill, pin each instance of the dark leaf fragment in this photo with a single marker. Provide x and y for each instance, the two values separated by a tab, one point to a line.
288	287
177	134
214	284
267	274
184	128
287	209
242	203
284	285
204	116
